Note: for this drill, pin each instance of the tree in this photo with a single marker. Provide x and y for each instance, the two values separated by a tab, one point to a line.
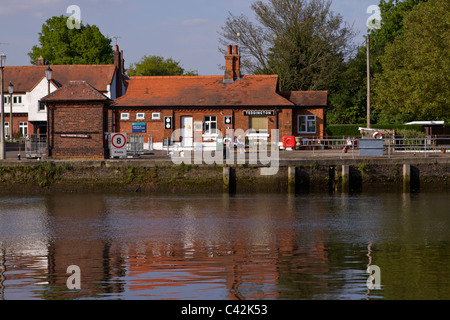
302	41
414	82
348	93
61	45
157	66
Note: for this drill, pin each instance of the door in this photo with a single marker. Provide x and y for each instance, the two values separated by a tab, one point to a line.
187	132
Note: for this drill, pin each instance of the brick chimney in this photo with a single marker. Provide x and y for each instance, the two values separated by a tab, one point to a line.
119	64
40	61
232	64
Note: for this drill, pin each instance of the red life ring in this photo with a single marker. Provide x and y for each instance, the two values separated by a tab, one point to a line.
377	135
289	142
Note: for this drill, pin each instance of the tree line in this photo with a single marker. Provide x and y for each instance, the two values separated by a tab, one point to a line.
310	47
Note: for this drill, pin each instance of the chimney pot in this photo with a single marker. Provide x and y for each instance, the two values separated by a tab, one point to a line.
229	50
236	50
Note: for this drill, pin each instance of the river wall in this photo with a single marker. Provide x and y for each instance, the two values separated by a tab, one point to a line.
293	176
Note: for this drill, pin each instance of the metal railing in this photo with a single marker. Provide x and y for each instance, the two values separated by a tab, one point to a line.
391	146
36	146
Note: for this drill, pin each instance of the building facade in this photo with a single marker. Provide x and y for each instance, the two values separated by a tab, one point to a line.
29	113
208	106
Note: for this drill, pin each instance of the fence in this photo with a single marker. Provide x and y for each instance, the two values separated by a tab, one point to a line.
36	146
136	144
390	146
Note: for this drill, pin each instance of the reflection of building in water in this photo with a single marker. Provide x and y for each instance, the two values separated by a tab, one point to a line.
79	240
23	244
241	252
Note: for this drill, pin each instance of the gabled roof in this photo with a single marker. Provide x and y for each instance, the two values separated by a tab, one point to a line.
25	78
76	91
207	91
307	98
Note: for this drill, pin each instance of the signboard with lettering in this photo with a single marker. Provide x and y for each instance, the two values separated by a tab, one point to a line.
139	127
118	145
259	113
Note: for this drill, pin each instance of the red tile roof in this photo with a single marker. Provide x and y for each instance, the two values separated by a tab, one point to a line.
25	78
307	98
179	91
76	91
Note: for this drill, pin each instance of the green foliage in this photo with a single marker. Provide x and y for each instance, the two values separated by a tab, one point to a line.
348	93
60	45
157	66
339	131
414	82
302	41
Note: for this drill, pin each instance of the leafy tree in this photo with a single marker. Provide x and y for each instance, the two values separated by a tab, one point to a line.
61	45
348	93
157	66
414	82
302	41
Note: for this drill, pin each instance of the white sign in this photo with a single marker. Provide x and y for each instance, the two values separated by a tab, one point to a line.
118	145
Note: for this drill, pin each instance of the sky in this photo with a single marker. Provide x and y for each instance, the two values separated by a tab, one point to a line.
184	30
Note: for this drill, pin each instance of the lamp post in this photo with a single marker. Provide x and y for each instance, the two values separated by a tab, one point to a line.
2	125
48	75
11	126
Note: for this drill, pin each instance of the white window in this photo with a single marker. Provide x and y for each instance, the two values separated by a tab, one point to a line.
210	125
7	129
124	116
306	124
23	129
156	116
41	106
17	100
140	116
6	99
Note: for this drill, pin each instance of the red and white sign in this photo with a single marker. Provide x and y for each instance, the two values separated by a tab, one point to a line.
118	145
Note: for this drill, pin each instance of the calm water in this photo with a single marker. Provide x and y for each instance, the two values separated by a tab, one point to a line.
220	247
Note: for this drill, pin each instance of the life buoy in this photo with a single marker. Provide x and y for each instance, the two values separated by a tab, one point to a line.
289	142
377	135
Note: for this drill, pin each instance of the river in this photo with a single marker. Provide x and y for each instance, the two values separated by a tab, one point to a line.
221	247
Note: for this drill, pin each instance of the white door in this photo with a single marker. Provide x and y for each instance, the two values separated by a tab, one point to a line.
187	131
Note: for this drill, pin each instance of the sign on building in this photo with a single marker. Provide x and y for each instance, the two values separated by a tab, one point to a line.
139	127
118	146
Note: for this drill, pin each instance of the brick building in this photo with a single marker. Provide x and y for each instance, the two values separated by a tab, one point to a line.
77	118
31	85
213	104
199	108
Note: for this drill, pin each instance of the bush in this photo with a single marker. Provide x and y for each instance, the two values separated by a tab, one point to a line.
351	130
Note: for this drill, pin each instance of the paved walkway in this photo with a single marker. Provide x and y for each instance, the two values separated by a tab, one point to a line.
292	155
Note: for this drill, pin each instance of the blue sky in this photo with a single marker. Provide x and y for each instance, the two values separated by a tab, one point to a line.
185	30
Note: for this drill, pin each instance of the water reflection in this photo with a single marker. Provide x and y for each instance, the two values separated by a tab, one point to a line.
225	247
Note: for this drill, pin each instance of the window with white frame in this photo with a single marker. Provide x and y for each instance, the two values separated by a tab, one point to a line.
7	129
17	100
156	116
125	116
306	124
23	128
41	106
210	125
140	116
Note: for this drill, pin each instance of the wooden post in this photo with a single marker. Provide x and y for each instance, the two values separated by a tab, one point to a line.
406	178
229	180
345	179
292	171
